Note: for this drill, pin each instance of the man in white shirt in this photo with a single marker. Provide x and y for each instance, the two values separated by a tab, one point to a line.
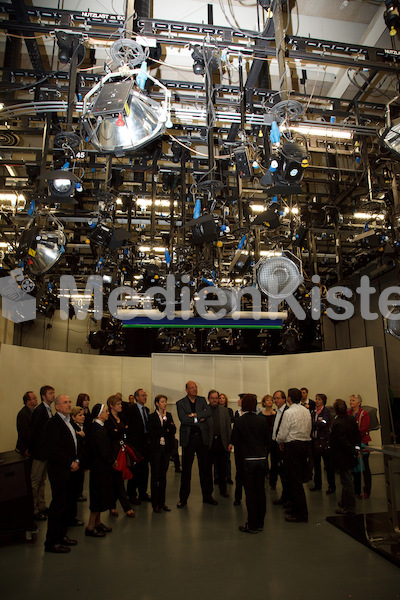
294	438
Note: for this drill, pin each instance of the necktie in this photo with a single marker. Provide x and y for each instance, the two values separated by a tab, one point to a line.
145	419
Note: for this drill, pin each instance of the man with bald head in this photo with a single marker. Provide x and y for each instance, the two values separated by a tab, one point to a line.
62	461
193	413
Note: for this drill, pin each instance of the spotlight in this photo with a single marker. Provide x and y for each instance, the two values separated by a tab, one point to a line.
42	249
291	338
61	184
118	118
230	304
204	229
68	44
97	339
286	169
278	276
392	16
390	136
392	322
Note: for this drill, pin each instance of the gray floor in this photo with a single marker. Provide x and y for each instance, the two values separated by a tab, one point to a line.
197	553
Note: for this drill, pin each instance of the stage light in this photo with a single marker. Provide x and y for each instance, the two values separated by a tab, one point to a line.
117	117
392	322
42	249
279	276
286	169
392	16
61	184
390	136
68	44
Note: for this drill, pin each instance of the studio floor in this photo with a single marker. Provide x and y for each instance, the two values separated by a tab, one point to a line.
197	553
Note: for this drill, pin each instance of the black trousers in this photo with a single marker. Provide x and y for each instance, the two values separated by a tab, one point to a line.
330	473
60	510
238	478
137	486
254	487
120	491
278	462
159	462
295	458
196	447
218	457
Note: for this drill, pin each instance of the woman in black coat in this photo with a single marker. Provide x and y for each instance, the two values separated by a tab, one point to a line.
117	431
101	462
321	422
345	442
161	437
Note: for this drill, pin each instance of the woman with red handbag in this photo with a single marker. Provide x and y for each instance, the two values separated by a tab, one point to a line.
117	429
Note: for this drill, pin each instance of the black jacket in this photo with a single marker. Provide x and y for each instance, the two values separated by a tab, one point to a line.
344	438
250	436
38	445
137	436
24	428
60	446
156	431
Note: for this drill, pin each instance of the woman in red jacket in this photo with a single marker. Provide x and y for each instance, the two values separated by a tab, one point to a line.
363	422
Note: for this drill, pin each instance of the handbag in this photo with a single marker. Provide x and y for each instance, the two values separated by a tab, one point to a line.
126	460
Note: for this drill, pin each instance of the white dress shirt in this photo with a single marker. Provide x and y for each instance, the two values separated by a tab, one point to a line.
296	425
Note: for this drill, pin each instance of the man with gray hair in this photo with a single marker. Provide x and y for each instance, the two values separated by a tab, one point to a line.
62	461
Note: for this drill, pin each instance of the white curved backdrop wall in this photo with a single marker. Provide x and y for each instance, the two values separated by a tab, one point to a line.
337	374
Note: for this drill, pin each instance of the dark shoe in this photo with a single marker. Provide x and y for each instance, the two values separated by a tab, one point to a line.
45	511
277	502
344	511
224	494
66	541
181	504
237	502
315	489
330	491
114	512
81	499
76	523
273	488
365	495
166	508
145	498
39	517
246	529
103	528
156	509
296	519
289	511
229	481
340	504
210	500
178	470
94	533
57	549
130	513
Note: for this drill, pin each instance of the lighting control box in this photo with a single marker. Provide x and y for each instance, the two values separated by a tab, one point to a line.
113	98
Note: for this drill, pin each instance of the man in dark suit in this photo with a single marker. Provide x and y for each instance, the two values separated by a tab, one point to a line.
193	413
277	456
251	439
40	416
24	424
62	452
219	426
137	417
305	400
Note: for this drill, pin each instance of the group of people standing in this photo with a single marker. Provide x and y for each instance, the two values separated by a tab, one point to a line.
117	441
